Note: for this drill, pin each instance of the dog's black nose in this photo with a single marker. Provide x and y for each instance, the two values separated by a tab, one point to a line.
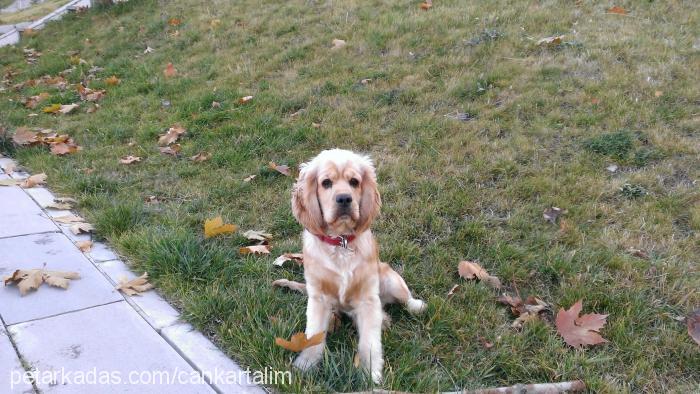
343	199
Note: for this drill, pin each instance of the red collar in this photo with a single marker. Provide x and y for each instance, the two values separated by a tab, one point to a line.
342	240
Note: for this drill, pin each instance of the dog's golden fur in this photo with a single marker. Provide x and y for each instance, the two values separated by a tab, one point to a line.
351	280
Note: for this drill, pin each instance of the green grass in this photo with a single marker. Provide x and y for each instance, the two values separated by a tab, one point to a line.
544	125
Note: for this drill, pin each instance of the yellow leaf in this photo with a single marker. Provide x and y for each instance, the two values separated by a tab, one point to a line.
112	81
52	109
27	280
216	226
135	286
299	342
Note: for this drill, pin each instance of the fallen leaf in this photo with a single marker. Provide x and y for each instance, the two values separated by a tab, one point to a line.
551	214
426	5
452	291
34	180
63	148
27	280
366	81
255	235
245	99
61	206
200	157
215	104
249	178
81	228
612	168
170	71
173	149
135	286
68	108
338	43
524	311
617	10
33	101
148	50
255	249
52	109
299	341
658	93
485	343
216	226
84	246
171	135
129	159
595	101
693	322
580	330
290	284
113	80
214	23
551	41
68	219
472	270
174	21
282	169
24	136
297	257
638	253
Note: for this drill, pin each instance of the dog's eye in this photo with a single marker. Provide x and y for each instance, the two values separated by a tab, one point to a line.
326	183
354	182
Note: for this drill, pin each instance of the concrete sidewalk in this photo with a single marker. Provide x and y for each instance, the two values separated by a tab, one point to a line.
91	338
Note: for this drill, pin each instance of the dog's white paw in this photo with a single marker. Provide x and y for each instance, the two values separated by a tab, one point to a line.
308	358
416	306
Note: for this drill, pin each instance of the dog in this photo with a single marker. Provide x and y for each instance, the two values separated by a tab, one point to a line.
336	199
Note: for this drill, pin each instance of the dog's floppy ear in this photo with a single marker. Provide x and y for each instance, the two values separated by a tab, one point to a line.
371	201
305	205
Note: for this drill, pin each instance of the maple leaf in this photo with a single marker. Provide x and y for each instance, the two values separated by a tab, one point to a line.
10	182
63	148
68	219
551	41
129	159
135	286
216	226
255	249
299	341
282	169
52	109
171	135
255	235
337	43
24	136
170	71
112	81
580	330
290	284
27	280
34	180
173	149
617	10
84	246
81	228
472	270
200	157
297	257
67	108
524	311
552	213
33	101
693	322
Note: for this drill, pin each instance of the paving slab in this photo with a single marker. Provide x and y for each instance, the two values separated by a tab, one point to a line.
224	374
11	371
111	340
156	310
19	214
59	254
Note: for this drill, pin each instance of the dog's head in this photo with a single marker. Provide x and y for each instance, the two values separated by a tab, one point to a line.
336	193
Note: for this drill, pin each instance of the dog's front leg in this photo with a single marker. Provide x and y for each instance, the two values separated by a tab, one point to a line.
369	326
318	314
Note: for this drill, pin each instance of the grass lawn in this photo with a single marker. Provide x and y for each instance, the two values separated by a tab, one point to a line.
543	124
